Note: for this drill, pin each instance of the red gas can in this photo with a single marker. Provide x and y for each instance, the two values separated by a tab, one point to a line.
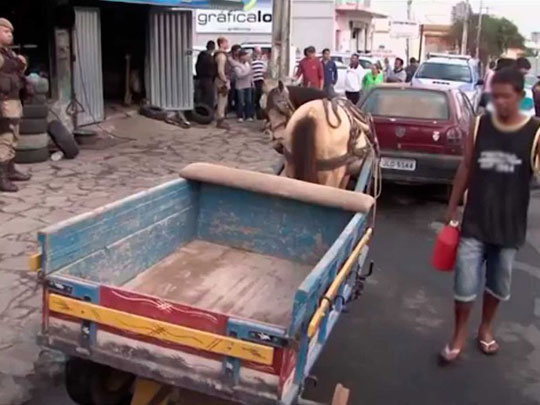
446	245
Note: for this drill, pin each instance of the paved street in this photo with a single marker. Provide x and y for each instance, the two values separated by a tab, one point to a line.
143	153
386	348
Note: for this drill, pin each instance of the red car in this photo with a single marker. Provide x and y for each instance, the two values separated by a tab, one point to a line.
421	131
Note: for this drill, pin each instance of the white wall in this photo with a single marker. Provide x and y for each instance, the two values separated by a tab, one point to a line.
313	24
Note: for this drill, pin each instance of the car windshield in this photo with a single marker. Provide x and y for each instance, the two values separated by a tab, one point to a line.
444	71
409	103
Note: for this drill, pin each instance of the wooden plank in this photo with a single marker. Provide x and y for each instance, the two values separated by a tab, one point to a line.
365	175
34	262
122	260
317	282
162	330
269	225
336	284
80	236
162	310
225	280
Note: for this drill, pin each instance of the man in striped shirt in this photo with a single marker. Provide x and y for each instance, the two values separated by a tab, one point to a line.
259	69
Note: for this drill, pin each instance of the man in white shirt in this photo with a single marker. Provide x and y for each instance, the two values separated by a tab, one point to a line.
353	80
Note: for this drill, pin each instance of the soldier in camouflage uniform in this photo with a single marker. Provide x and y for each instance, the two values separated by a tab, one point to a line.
12	69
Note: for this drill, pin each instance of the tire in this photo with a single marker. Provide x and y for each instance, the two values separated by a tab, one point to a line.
63	139
32	156
31	126
201	114
38	99
77	379
85	137
156	113
35	111
111	387
33	142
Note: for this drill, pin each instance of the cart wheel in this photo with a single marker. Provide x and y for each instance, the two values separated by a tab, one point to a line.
110	386
77	378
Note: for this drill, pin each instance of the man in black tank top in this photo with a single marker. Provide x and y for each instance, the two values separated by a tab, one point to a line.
500	158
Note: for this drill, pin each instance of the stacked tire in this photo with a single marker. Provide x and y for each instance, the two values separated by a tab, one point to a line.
33	144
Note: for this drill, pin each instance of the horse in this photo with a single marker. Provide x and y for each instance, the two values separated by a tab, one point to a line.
280	101
324	141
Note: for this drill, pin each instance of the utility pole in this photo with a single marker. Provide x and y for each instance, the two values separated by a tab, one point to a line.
281	38
479	30
409	16
465	37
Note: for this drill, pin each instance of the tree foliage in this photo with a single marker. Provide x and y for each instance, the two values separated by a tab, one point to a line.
498	35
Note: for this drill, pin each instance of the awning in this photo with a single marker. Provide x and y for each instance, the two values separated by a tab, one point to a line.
190	4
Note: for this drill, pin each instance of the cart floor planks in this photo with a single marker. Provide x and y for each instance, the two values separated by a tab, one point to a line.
226	280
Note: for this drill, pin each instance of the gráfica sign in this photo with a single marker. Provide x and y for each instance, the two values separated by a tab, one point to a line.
256	17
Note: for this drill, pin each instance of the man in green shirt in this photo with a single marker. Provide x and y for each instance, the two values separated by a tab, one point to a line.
372	79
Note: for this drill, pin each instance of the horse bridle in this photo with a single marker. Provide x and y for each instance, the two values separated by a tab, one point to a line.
286	112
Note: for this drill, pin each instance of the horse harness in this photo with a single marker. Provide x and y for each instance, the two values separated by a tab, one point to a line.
360	124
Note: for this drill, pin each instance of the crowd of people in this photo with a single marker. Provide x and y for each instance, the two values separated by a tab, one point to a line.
322	73
236	77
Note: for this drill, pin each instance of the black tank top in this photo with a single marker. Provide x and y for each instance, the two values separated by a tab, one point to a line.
499	187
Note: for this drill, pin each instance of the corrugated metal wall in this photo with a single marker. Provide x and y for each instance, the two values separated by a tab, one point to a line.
87	70
170	67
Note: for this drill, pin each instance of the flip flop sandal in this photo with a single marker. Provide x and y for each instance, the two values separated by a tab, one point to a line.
448	356
488	348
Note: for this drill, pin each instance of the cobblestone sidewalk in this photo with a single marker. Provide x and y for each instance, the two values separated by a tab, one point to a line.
142	154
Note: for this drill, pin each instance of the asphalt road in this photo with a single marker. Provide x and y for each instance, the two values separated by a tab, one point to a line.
385	349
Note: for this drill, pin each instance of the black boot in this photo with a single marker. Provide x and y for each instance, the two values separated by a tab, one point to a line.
14	174
5	183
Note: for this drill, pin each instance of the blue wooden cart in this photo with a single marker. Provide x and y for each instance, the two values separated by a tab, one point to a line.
224	282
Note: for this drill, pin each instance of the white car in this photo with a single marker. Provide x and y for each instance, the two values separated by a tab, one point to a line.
451	71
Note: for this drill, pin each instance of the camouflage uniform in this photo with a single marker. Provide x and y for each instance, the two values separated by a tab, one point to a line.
12	68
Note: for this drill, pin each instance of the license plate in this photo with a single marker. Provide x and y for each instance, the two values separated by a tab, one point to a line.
408	165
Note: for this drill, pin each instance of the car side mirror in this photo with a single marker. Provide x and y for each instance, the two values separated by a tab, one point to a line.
480	82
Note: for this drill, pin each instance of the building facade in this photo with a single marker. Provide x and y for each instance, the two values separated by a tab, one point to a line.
340	25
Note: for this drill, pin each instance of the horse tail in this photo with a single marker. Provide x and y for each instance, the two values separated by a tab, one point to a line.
304	154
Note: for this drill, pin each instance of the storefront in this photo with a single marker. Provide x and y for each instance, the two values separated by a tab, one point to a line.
97	50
